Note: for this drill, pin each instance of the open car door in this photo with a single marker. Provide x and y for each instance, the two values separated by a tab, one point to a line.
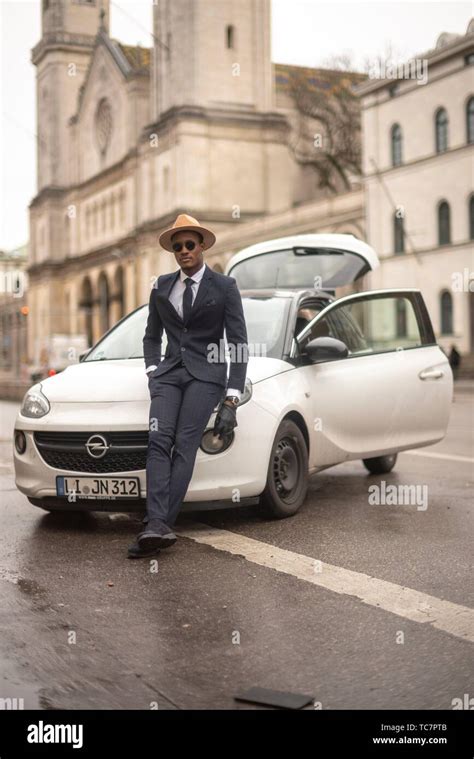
392	391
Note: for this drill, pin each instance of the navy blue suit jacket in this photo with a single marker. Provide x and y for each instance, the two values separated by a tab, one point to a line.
198	341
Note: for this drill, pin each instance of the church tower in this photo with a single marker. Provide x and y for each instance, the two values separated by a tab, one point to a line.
61	57
222	149
212	53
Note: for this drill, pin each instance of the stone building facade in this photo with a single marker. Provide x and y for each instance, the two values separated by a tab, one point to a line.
129	137
418	147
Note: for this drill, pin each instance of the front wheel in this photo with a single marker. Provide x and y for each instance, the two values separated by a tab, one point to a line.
287	476
381	464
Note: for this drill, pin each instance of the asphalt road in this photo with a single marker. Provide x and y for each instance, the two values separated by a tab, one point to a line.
241	602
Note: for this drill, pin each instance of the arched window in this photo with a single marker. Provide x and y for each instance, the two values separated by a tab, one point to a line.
444	223
471	217
230	37
470	120
441	130
103	303
119	292
398	234
401	317
446	306
396	144
86	305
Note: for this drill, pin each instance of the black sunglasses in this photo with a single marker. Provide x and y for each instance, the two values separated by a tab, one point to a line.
189	245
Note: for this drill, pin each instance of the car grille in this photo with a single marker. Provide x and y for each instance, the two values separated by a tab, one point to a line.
67	450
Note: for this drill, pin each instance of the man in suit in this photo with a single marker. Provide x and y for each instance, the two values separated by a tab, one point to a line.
194	306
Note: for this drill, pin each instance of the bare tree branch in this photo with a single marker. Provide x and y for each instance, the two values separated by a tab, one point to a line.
326	126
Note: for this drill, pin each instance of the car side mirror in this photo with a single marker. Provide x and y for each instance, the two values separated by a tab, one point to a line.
325	349
83	355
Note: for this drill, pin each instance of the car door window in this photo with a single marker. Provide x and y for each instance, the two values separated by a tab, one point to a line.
370	324
305	315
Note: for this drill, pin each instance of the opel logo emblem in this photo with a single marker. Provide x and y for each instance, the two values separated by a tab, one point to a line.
97	446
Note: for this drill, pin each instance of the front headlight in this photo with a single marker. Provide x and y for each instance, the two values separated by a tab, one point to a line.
211	444
35	404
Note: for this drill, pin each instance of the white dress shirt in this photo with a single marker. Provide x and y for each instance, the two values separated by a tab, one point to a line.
176	300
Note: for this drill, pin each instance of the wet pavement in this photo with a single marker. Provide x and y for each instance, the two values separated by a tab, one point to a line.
81	626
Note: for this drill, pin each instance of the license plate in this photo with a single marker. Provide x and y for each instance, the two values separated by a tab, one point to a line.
90	488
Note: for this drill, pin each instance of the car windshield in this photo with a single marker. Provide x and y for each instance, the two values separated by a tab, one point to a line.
266	319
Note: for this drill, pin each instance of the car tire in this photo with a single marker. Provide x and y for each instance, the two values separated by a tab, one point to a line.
381	464
287	476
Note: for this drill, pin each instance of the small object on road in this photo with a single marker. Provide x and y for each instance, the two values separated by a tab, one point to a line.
110	584
280	699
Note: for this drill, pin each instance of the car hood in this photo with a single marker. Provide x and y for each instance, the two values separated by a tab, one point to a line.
125	380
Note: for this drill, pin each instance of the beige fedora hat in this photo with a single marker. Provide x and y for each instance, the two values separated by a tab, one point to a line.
185	223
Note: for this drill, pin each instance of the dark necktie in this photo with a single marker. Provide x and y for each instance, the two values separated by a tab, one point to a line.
187	298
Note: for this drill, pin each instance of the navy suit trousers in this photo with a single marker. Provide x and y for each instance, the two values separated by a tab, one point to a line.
180	408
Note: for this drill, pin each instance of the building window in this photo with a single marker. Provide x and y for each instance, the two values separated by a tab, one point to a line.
86	305
103	125
471	217
446	305
104	303
230	37
396	144
393	90
119	295
470	120
398	234
441	129
401	317
444	223
469	59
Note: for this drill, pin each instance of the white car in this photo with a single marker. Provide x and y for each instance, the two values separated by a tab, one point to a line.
329	380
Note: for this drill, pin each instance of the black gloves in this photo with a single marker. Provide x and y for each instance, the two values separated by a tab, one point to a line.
226	420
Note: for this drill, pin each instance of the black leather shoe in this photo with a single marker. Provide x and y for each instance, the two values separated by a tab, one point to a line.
156	535
135	552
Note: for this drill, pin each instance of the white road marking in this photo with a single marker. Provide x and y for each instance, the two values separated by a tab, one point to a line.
411	604
448	456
